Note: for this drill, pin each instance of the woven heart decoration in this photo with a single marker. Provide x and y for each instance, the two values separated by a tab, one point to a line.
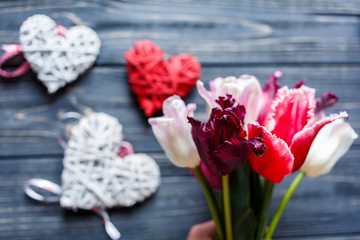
58	55
153	79
95	176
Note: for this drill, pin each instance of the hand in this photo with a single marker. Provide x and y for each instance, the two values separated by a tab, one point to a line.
203	231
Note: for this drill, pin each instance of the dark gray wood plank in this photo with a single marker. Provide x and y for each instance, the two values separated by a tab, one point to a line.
174	204
316	39
326	205
320	206
323	206
259	33
106	89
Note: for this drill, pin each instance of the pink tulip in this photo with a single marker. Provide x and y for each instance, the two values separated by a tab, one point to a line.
173	132
246	91
290	120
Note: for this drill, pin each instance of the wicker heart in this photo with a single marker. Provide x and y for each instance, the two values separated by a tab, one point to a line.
57	57
95	176
153	79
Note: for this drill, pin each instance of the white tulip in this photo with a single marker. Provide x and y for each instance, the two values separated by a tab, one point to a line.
329	145
173	132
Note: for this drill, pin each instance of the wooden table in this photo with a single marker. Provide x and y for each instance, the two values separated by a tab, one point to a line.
318	40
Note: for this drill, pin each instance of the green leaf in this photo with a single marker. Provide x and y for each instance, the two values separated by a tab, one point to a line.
239	192
245	226
243	219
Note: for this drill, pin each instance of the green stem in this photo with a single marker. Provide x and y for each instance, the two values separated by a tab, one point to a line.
283	203
255	192
227	208
268	188
210	198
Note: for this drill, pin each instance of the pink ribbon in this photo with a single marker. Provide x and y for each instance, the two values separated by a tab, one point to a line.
61	30
13	50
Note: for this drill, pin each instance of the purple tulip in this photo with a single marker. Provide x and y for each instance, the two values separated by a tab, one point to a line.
221	141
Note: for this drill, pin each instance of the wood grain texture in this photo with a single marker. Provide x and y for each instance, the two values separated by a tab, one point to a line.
265	33
106	89
25	219
318	40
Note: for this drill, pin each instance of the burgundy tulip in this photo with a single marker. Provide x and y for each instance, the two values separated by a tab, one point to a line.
221	141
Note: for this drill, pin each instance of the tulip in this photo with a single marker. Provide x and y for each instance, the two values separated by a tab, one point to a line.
290	120
246	91
330	144
223	147
277	161
221	140
290	112
268	94
173	132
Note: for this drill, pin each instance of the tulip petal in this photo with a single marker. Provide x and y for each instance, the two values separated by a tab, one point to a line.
213	178
258	145
225	101
208	96
201	137
290	112
223	126
277	161
302	141
246	90
300	83
174	107
173	132
190	108
268	94
229	156
177	146
330	144
327	100
272	85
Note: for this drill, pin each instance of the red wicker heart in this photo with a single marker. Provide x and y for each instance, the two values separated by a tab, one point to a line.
154	79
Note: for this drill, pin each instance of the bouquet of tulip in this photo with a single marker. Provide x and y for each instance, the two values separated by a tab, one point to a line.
252	139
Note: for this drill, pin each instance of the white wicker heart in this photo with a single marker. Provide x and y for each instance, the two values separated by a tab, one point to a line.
57	59
95	176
